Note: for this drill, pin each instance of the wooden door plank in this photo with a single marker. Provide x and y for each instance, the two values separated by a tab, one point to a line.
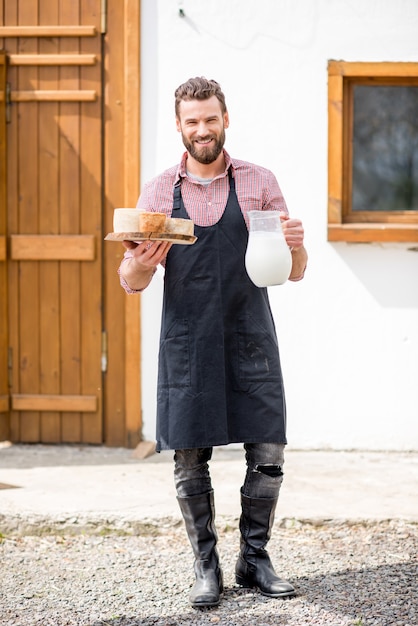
52	247
54	403
69	202
116	405
71	337
52	59
54	95
49	223
91	222
29	305
50	343
13	169
47	31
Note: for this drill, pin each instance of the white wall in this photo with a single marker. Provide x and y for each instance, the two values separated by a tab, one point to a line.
349	331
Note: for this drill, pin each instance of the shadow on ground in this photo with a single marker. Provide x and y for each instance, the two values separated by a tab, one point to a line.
368	597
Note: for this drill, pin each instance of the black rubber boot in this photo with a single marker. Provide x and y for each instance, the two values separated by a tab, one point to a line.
254	568
199	517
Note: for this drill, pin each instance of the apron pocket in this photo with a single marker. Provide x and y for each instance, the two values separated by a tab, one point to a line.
258	353
174	360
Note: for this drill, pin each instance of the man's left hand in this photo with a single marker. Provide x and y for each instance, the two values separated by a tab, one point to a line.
293	231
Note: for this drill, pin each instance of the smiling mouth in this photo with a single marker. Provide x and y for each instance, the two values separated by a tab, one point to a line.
203	142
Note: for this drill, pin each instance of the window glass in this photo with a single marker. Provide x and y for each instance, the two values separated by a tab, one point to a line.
385	148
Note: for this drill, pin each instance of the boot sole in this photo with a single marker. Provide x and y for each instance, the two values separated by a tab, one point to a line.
205	605
243	582
286	594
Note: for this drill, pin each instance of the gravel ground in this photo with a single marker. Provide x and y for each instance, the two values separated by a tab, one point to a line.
346	575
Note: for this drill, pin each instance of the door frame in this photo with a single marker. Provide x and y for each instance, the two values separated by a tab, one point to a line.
122	313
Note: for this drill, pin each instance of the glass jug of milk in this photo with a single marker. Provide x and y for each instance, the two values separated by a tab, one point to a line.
268	259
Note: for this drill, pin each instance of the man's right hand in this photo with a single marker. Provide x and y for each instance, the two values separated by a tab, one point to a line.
139	267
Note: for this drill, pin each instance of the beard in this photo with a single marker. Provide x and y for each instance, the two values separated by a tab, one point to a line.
203	154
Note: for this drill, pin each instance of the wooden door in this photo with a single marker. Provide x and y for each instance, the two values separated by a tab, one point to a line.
55	168
69	335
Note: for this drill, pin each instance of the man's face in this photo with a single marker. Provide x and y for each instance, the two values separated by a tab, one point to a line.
202	127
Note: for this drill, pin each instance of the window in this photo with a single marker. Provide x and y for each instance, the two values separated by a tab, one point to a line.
372	152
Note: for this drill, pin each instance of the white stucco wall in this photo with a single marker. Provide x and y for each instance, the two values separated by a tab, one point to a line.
349	331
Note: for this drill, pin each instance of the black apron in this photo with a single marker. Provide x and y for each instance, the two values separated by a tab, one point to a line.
219	375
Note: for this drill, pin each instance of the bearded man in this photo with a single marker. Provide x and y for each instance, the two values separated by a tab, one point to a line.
219	375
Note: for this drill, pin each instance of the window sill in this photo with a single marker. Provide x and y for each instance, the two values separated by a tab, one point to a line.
369	233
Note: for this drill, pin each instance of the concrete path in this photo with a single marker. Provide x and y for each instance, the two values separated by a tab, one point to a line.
96	483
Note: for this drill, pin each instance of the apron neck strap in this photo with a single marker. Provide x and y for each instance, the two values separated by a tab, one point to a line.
177	190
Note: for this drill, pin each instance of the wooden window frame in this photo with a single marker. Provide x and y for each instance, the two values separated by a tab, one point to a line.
367	226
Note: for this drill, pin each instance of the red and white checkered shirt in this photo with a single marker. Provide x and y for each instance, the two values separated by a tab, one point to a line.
256	187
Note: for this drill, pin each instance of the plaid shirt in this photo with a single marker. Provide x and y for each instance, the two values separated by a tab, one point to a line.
256	189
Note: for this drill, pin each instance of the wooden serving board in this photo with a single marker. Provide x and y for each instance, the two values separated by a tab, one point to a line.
185	240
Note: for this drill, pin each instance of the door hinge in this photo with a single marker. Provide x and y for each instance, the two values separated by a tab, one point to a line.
10	367
104	352
103	16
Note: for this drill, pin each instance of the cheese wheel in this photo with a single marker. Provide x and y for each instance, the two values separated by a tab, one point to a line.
151	222
179	226
126	220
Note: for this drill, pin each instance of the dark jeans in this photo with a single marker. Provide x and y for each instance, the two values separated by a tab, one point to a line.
263	478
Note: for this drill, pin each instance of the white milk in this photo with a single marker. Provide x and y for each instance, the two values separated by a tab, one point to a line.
268	259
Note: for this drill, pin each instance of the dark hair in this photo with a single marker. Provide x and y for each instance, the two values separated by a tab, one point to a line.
199	88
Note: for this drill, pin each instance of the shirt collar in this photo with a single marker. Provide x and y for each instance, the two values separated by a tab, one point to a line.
181	171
